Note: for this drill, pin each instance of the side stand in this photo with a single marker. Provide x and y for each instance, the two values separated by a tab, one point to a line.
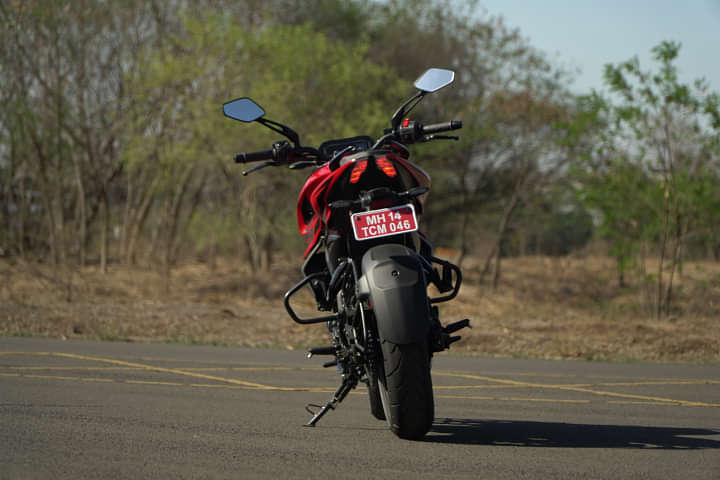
349	382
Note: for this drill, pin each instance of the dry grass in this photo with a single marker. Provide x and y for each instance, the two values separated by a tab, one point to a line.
544	308
572	308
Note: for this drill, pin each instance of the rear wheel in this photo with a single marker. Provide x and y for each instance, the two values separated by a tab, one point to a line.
376	406
406	389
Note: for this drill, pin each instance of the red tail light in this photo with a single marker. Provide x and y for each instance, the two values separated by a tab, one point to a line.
358	170
386	166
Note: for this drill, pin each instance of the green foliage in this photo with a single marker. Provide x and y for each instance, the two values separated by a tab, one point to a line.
117	105
288	69
652	175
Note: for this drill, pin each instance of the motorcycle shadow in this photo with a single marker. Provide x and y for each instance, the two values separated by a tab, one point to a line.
551	434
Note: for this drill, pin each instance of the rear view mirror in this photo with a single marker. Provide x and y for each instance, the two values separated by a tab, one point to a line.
243	109
434	79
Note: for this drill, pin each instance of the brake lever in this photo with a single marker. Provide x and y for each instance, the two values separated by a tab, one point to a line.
259	167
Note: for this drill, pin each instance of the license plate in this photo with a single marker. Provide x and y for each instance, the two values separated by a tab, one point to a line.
384	222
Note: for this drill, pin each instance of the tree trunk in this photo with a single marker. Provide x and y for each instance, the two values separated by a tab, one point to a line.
496	274
269	250
7	198
125	233
496	252
136	222
171	222
676	261
81	213
22	209
661	262
488	261
104	233
464	231
621	276
179	222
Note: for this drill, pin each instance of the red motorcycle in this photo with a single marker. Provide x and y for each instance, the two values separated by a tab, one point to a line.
367	264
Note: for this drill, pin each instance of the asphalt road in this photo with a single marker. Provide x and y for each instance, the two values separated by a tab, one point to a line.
112	410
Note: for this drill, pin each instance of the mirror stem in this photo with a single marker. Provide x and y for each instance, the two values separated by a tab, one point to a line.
282	130
405	109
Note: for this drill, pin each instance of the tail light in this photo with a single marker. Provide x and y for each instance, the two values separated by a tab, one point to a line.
386	166
358	170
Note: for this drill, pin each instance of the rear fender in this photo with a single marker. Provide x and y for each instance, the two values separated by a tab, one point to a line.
393	280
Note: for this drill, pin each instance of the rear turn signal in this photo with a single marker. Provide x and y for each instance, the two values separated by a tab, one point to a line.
386	166
358	170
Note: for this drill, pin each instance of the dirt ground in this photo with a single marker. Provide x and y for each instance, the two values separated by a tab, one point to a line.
567	307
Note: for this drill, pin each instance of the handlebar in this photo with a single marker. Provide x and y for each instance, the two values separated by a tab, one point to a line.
282	153
254	156
411	132
442	127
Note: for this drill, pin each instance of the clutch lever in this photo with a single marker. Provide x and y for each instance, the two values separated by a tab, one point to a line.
259	167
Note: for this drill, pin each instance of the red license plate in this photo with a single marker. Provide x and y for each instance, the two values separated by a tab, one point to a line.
384	222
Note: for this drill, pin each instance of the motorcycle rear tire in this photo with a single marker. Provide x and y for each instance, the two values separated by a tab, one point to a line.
376	407
407	389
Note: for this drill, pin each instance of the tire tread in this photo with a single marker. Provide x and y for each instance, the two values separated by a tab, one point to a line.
409	387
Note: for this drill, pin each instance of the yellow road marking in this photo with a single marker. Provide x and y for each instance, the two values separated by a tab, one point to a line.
24	353
475	387
658	382
58	377
61	369
606	377
582	388
174	371
667	381
328	390
513	399
579	385
153	368
147	382
437	387
287	389
173	384
571	388
124	369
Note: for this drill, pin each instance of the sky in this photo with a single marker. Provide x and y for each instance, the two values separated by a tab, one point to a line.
587	34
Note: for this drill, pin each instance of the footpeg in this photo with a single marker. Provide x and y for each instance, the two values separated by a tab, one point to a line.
321	351
455	326
442	337
451	340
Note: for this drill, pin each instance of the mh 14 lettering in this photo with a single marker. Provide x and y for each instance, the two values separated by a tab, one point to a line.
380	218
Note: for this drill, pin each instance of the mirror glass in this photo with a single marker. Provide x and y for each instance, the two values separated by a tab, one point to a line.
434	79
243	109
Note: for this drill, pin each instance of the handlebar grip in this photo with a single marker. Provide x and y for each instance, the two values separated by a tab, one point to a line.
442	127
254	156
